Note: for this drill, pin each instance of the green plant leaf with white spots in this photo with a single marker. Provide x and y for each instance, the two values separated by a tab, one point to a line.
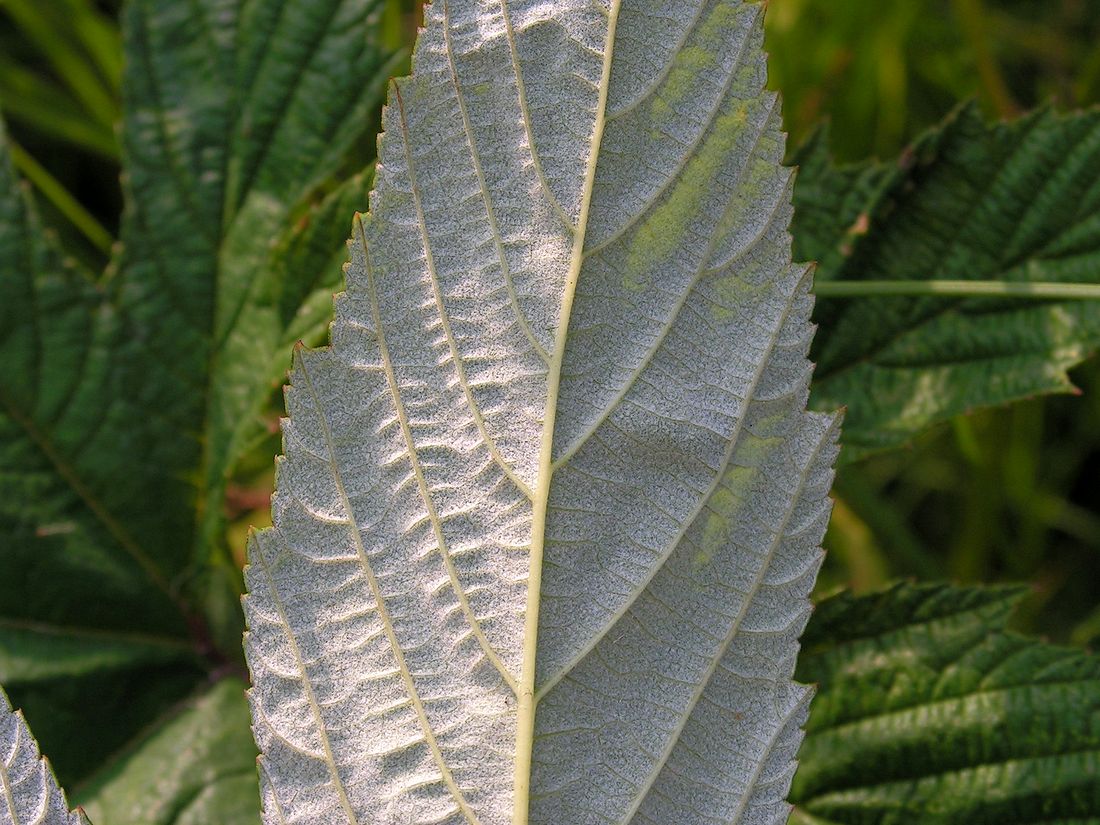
551	503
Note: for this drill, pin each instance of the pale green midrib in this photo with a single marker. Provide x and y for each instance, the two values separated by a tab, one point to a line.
525	714
1047	290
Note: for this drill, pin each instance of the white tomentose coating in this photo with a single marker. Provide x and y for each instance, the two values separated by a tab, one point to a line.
29	794
566	393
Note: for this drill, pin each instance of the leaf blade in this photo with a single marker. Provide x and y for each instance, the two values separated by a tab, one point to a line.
462	347
105	421
29	790
929	710
212	779
968	201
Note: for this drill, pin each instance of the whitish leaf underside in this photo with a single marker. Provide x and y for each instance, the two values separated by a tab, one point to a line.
29	794
551	504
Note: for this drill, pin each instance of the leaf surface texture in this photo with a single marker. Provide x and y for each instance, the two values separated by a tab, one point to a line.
929	711
1015	201
131	395
551	503
196	766
28	791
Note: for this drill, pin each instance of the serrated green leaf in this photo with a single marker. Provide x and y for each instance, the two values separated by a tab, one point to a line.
127	399
78	588
928	711
236	116
1009	201
28	790
566	396
197	766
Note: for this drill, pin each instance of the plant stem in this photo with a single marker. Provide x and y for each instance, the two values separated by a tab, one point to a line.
959	289
62	200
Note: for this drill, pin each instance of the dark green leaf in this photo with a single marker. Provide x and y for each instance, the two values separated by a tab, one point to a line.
928	711
195	767
127	400
970	201
77	447
235	116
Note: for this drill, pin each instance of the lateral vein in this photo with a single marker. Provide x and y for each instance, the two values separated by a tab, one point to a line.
735	628
456	356
490	213
765	357
702	272
525	115
685	156
307	684
422	483
376	589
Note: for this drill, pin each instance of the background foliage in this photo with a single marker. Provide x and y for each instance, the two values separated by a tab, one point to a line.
999	495
1002	495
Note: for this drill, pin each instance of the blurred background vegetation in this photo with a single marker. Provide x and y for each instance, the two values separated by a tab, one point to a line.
1007	495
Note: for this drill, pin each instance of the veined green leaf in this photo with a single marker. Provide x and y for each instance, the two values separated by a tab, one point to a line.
236	116
127	398
1015	202
28	790
551	503
928	711
196	767
79	593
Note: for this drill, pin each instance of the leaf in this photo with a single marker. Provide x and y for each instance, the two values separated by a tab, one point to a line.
28	790
928	711
565	394
196	767
128	398
237	118
1010	201
78	592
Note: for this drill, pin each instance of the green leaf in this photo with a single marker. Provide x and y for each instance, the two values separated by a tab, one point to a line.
128	398
197	766
1017	202
75	40
551	503
28	788
33	652
929	711
237	116
40	104
79	592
